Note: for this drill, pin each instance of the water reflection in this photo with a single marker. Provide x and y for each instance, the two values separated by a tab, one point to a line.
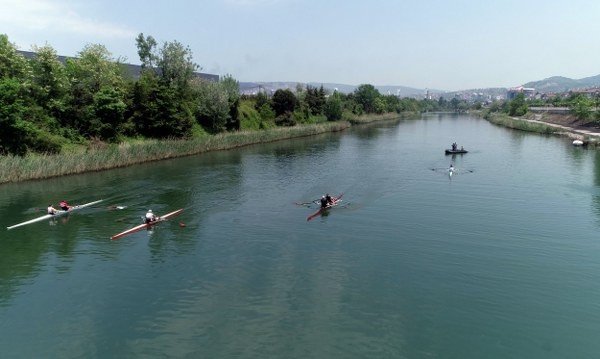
596	175
248	274
374	129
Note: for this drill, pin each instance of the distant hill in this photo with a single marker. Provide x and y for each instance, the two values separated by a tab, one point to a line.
563	84
404	91
551	84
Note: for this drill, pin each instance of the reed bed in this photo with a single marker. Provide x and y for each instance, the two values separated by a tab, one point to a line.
523	125
98	158
364	119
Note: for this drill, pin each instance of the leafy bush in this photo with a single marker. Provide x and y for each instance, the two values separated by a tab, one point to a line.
250	118
333	108
286	119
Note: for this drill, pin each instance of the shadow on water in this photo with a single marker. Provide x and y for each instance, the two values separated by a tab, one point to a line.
596	194
374	129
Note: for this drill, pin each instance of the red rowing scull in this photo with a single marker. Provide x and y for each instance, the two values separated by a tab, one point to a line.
336	201
146	225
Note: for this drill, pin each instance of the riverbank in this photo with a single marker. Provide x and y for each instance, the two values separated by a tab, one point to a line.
555	124
107	156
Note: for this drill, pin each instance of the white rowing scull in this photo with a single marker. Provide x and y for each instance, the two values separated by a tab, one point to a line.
57	214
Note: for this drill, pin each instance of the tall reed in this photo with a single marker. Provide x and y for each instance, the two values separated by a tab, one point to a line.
523	125
38	166
363	119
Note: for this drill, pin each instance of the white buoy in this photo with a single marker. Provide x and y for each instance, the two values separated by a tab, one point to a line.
578	143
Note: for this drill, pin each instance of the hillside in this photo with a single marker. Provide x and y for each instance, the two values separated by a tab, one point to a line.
551	84
563	84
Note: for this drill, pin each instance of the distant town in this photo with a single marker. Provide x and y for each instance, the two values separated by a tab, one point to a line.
484	96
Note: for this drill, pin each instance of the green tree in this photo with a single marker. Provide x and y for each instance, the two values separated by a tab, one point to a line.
283	101
50	85
12	64
93	70
147	51
428	105
442	103
213	109
176	65
158	111
261	99
517	106
13	129
19	122
162	100
24	125
232	88
333	107
109	111
379	105
315	99
392	103
496	106
266	113
582	107
455	104
409	105
365	95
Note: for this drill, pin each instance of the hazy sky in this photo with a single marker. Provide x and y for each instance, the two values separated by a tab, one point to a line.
446	45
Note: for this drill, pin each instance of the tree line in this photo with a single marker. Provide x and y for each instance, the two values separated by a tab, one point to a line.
583	107
47	105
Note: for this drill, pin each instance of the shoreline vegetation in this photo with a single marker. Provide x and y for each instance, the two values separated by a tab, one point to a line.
35	166
539	124
62	116
505	120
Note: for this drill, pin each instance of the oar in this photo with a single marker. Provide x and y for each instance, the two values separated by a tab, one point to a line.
307	203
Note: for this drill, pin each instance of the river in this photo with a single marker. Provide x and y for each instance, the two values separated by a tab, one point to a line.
500	260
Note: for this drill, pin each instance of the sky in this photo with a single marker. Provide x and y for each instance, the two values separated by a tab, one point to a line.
445	45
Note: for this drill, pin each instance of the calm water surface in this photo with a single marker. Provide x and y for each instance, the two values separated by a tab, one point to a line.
501	260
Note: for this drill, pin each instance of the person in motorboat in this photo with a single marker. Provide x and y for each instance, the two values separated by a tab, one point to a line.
150	217
64	205
51	210
454	145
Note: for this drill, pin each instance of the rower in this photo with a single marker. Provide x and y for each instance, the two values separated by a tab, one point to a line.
64	205
324	202
150	217
51	210
329	199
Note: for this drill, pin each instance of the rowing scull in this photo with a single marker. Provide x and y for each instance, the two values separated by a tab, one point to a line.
321	210
146	225
58	213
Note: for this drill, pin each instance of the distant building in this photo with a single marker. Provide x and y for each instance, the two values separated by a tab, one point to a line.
513	92
589	92
131	70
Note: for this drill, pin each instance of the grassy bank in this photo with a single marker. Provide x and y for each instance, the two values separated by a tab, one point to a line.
523	125
364	119
97	158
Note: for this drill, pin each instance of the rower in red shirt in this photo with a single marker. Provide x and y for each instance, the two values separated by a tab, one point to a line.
64	205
